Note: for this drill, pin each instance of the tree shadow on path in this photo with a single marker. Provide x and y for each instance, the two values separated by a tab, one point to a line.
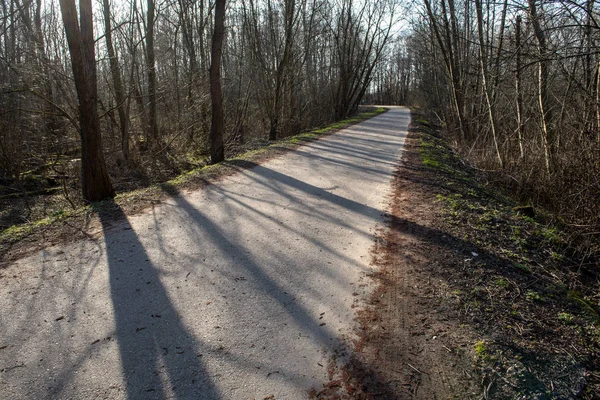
159	356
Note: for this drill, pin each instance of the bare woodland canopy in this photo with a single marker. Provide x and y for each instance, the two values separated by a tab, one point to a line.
287	66
518	84
515	82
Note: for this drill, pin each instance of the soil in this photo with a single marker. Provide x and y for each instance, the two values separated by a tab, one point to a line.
473	298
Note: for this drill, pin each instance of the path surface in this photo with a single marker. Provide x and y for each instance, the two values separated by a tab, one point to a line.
243	289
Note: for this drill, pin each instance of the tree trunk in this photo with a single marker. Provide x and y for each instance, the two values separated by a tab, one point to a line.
52	122
217	126
543	98
518	85
485	82
448	53
95	181
117	81
598	100
283	65
152	119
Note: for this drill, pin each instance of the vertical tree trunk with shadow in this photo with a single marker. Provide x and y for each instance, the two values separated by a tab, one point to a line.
95	182
217	127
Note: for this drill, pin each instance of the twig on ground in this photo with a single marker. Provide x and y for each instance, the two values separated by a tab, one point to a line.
421	372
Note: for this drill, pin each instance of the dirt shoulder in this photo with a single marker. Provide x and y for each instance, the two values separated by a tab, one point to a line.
475	297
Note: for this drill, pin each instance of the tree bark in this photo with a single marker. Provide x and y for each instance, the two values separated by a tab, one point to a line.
152	118
543	98
117	81
485	82
217	126
518	89
95	181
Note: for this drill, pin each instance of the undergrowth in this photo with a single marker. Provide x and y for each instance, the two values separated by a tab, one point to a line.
531	296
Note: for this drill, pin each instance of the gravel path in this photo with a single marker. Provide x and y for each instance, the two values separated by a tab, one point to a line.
243	289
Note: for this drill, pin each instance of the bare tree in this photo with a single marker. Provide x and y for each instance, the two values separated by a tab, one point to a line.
117	80
447	41
217	127
95	182
152	117
543	95
485	82
518	87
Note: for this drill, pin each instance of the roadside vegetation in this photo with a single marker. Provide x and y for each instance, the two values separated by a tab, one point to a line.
524	284
516	86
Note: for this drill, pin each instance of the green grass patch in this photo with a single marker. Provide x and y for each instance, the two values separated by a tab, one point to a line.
501	282
482	351
535	297
566	318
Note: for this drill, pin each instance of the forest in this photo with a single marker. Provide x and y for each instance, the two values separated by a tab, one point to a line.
515	84
285	66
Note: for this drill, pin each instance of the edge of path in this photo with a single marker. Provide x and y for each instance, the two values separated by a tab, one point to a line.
83	222
473	297
406	346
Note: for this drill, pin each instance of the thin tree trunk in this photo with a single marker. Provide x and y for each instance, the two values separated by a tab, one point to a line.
520	124
598	99
117	81
95	181
497	70
449	61
52	122
152	118
12	40
543	99
217	126
484	80
290	8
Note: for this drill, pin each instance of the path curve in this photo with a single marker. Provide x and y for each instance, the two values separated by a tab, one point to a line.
243	289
